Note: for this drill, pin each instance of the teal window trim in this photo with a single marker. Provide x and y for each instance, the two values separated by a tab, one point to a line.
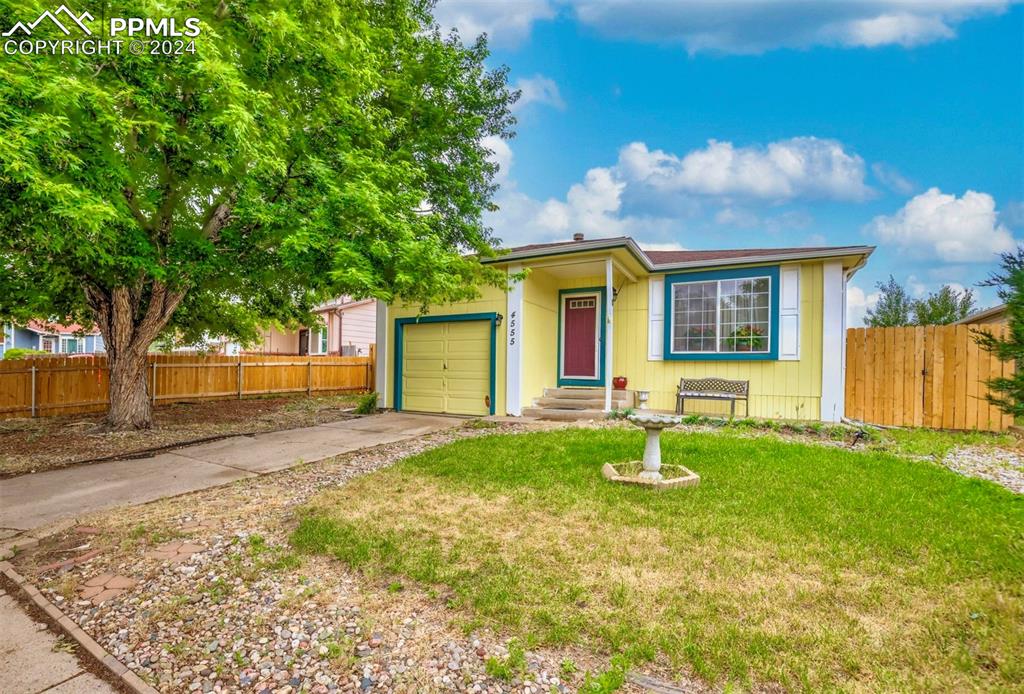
599	381
400	324
769	271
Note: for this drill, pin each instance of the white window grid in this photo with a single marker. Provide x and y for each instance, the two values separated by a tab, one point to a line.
737	322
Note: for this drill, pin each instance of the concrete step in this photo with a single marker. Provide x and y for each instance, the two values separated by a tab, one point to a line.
563	415
587	393
580	403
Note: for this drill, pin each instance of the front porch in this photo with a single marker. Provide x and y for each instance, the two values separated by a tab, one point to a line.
561	336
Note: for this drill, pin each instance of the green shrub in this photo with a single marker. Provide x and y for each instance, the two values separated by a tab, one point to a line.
367	404
621	414
21	352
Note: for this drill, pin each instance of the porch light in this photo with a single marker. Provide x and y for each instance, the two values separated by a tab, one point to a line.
497	320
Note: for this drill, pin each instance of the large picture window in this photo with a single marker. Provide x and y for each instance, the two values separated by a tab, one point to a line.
721	316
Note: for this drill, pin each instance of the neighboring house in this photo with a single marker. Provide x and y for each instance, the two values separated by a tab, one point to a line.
589	311
996	314
348	328
51	337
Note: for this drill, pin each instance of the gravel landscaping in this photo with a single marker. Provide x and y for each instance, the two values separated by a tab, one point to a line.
999	465
246	614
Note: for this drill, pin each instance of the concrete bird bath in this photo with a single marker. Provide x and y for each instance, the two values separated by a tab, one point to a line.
649	471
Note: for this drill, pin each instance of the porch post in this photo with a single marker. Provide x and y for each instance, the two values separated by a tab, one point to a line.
514	353
609	293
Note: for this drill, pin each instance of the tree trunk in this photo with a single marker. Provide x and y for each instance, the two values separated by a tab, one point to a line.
130	318
130	404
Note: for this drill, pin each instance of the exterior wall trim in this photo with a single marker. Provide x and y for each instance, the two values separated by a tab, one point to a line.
833	341
514	349
382	354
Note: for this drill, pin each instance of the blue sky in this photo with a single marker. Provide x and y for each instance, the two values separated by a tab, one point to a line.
897	123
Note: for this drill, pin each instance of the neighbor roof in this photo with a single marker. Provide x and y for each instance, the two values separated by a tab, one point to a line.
665	260
47	328
980	316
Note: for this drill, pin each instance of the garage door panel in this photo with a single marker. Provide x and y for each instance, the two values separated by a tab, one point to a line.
447	367
423	366
470	406
468	366
421	402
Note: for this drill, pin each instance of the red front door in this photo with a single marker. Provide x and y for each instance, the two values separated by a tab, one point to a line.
579	336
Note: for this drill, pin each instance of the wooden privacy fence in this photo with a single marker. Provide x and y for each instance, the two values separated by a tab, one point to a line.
45	386
923	376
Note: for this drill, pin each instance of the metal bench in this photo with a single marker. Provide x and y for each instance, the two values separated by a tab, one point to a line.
712	389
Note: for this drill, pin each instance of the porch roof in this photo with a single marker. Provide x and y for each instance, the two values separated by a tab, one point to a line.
661	261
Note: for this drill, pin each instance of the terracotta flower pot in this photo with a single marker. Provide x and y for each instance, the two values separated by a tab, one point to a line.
619	383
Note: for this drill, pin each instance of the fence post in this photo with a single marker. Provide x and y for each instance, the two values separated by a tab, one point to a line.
153	395
33	390
239	378
309	376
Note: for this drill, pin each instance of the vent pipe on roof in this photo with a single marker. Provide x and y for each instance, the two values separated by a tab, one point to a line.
577	236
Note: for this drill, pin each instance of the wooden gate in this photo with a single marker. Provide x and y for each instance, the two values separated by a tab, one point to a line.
932	376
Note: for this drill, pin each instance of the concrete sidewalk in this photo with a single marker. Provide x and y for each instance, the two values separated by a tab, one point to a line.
35	500
33	659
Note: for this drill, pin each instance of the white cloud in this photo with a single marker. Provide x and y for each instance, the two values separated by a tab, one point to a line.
857	304
903	29
754	26
916	287
669	246
505	23
893	179
938	225
538	90
798	167
734	217
501	154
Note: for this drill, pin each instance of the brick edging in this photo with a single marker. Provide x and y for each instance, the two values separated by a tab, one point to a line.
115	667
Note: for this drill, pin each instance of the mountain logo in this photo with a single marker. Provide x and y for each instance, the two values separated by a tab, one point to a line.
27	29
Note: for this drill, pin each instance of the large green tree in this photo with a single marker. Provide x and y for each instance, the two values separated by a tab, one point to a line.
305	149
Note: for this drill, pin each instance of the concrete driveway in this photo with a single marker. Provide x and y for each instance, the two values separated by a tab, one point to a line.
35	500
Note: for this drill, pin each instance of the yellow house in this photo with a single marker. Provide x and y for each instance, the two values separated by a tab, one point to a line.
593	311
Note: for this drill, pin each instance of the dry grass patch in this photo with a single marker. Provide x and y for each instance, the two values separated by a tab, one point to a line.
791	564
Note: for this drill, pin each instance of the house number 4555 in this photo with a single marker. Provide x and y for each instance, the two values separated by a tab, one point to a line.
513	328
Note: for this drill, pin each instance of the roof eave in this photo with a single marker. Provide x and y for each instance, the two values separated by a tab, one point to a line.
864	251
642	258
575	247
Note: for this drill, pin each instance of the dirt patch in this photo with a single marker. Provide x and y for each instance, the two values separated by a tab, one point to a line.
48	443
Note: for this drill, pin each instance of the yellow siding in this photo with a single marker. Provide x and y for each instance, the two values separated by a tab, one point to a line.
540	335
778	389
492	300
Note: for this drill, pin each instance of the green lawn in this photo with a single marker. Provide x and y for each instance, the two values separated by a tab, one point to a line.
807	566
